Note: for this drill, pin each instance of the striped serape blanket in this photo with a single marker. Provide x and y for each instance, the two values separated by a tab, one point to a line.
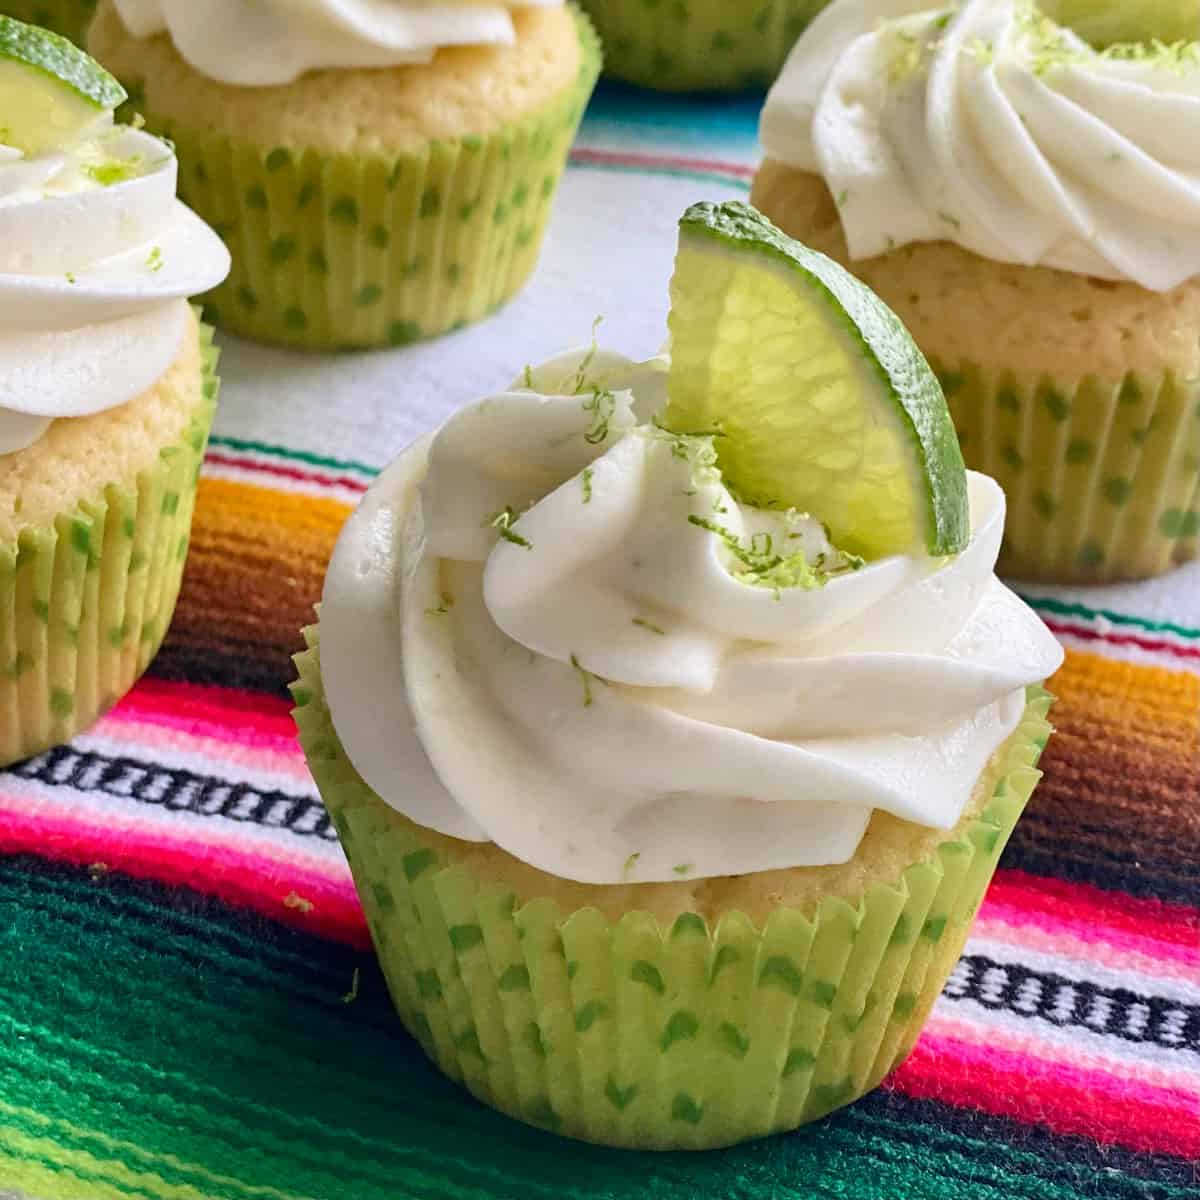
189	1005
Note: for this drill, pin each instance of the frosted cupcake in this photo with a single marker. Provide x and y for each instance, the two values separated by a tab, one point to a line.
68	18
670	811
106	392
380	173
1028	207
698	45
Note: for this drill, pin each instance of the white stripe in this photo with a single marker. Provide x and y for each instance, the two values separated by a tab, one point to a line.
1080	1041
1077	970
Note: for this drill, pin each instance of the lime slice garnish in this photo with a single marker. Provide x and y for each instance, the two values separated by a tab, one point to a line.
1108	22
821	398
50	91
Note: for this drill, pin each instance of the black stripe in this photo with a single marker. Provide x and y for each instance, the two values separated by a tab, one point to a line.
177	790
1112	1012
1032	851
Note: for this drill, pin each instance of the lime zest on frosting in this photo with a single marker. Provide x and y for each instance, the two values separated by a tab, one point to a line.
586	480
642	623
601	405
763	566
502	522
586	361
586	676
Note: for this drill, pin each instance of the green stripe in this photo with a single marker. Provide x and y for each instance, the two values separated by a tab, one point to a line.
212	1042
695	176
1061	608
303	456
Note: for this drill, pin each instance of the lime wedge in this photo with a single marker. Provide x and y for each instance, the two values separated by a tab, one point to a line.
50	91
822	400
1106	22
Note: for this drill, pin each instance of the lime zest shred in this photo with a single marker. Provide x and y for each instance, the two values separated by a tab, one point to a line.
586	361
110	171
586	676
503	522
642	623
528	377
154	261
684	868
601	404
586	480
763	566
444	605
352	994
630	863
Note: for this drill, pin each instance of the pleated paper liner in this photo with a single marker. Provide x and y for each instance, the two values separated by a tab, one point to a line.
1102	479
70	18
634	1034
343	251
698	45
85	604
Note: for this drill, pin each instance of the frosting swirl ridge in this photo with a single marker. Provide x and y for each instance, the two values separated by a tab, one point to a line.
97	258
259	43
986	124
571	639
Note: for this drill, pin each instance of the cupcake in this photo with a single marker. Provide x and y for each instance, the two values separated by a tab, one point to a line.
698	45
669	809
1027	205
378	176
106	392
68	18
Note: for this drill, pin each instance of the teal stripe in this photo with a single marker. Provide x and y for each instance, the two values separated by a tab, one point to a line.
209	1036
1061	608
696	176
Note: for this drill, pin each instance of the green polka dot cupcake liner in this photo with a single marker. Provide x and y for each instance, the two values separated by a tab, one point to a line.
698	45
85	603
340	252
70	18
635	1034
1102	478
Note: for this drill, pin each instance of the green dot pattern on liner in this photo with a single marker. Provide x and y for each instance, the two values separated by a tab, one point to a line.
632	1034
1102	480
70	18
85	605
699	45
337	251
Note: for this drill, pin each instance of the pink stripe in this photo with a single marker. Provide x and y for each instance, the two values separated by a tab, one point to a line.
1064	1098
625	159
280	471
256	709
1110	636
1041	898
322	897
160	737
1114	949
1062	1051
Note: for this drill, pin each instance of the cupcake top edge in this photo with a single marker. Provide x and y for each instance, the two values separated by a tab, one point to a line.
987	124
262	43
554	626
97	256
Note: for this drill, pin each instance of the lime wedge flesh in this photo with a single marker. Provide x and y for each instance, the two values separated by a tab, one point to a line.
822	400
1106	22
50	90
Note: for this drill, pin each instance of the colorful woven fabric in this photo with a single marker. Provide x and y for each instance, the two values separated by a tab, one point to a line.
189	1007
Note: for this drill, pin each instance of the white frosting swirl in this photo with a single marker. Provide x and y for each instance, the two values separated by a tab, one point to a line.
987	125
97	258
257	43
605	689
